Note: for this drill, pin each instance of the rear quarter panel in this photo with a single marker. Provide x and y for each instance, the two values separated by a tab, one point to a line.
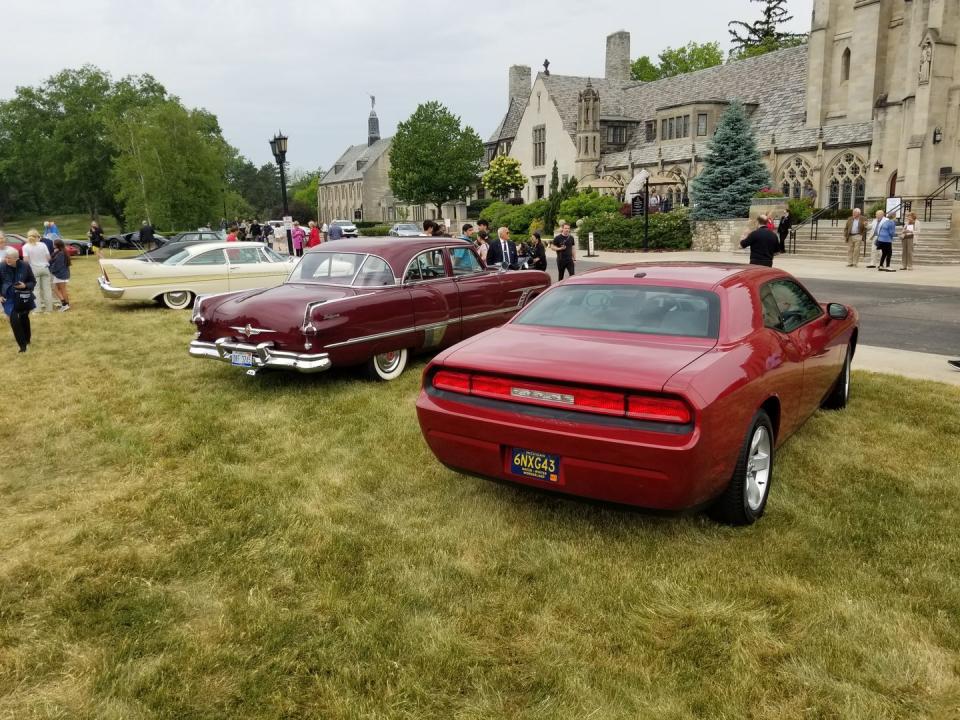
354	330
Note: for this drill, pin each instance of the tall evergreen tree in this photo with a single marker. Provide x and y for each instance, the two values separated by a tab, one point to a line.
554	179
766	34
733	169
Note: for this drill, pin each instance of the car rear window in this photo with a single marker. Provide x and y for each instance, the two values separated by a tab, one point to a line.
328	268
646	310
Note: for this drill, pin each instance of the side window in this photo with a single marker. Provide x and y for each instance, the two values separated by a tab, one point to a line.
771	312
211	257
190	237
374	273
244	255
465	261
797	307
426	266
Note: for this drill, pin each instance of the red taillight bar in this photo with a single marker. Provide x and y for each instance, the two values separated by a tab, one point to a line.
652	408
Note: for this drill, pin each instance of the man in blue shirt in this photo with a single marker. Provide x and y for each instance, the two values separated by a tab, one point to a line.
334	232
886	232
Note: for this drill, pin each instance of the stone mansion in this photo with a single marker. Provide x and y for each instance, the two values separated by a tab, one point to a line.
869	108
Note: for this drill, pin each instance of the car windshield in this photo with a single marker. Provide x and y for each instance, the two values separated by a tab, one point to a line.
178	258
409	227
645	310
332	268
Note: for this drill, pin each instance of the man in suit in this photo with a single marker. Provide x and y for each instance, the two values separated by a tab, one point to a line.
503	251
854	233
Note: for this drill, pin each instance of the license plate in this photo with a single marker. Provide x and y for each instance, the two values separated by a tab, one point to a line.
243	359
535	465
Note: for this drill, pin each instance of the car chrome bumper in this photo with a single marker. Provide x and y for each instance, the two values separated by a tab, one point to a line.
263	354
109	290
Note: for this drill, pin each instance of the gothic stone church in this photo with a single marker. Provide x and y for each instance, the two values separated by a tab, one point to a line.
868	109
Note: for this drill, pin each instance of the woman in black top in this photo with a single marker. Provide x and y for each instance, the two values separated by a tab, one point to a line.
95	235
60	269
538	254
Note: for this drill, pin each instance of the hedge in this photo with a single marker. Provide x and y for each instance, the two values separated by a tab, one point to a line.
515	217
374	230
612	231
476	208
366	224
587	204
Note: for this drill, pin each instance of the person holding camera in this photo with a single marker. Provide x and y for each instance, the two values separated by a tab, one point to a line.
16	289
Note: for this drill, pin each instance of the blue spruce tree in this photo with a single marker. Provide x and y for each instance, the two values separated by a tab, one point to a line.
733	170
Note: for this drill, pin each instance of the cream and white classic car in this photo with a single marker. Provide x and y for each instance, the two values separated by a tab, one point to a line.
195	270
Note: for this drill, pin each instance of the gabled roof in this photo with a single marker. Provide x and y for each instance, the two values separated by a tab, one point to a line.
507	129
349	159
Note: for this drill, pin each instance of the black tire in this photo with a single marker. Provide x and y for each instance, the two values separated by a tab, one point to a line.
736	506
840	392
114	245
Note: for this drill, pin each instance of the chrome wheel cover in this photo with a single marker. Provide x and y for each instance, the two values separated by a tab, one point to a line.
388	362
758	468
177	299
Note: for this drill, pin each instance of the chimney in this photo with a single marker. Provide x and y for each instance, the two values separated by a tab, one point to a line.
520	83
373	124
618	58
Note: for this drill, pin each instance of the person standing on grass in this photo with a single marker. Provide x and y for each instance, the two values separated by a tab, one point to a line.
35	253
854	232
146	234
95	235
298	235
60	270
232	235
886	232
909	241
564	246
255	230
16	291
763	243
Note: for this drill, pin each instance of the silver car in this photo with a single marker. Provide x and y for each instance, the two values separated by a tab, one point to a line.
348	228
406	230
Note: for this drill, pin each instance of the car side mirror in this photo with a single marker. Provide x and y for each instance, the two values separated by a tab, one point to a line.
836	311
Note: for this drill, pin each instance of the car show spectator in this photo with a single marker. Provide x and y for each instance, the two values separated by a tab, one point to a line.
467	232
886	232
538	252
503	251
232	235
563	245
35	254
314	235
872	231
483	247
95	235
16	290
60	270
909	241
146	234
336	232
298	236
432	229
763	243
854	233
783	229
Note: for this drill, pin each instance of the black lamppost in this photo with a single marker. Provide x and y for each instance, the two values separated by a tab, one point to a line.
278	146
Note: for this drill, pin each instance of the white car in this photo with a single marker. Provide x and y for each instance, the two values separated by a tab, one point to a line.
195	270
349	229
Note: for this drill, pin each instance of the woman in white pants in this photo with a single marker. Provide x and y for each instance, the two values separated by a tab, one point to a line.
36	254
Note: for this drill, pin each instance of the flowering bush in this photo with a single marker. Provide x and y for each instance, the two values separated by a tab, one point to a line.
768	193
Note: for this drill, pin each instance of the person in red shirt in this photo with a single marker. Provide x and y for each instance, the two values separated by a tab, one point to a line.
232	235
314	239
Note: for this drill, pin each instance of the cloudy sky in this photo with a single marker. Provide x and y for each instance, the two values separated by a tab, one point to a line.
307	67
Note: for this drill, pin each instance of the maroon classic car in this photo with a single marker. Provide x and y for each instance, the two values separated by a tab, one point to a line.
369	300
678	382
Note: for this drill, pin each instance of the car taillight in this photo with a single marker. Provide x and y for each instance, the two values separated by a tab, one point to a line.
658	409
452	381
651	408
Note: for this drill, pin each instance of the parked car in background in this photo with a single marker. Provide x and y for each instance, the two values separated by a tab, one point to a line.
372	301
666	386
406	230
349	229
196	236
15	240
131	241
78	247
195	270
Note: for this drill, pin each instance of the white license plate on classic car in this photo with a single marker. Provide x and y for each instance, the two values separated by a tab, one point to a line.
243	359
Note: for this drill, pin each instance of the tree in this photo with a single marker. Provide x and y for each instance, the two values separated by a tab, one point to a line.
564	191
554	179
676	61
764	35
432	159
733	170
503	176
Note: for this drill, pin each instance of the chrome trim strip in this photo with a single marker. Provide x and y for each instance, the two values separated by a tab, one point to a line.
263	355
376	336
318	303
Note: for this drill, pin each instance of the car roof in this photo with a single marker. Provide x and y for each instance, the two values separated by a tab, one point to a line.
394	251
702	275
200	247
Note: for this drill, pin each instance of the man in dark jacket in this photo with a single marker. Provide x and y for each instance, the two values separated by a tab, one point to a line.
783	229
503	251
146	234
16	278
763	244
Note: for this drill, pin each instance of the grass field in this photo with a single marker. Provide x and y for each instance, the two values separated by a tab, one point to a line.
71	226
178	540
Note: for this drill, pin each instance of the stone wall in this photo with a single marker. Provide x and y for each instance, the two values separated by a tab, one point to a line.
718	235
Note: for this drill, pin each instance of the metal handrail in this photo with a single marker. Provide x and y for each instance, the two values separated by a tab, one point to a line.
814	222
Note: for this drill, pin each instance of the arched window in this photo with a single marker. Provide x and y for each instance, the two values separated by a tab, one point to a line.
845	66
847	174
795	177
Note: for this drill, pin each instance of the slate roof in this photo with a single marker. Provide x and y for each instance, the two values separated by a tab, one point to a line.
773	85
349	161
507	129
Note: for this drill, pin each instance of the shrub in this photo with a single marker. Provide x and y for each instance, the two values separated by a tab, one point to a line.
873	209
800	209
477	207
768	193
366	223
612	231
587	204
515	217
374	230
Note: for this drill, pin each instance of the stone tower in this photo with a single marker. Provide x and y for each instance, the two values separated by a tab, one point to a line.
588	131
373	123
618	58
892	63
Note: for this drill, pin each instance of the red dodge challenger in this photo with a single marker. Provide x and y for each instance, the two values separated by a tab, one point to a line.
666	386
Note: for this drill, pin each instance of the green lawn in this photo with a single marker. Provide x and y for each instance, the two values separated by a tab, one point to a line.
71	226
178	540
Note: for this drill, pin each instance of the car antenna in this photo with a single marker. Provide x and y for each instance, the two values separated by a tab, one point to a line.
640	275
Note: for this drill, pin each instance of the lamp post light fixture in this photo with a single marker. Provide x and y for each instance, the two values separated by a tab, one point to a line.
278	146
877	166
937	136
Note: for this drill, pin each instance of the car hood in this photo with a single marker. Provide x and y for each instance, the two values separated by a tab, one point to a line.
621	360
